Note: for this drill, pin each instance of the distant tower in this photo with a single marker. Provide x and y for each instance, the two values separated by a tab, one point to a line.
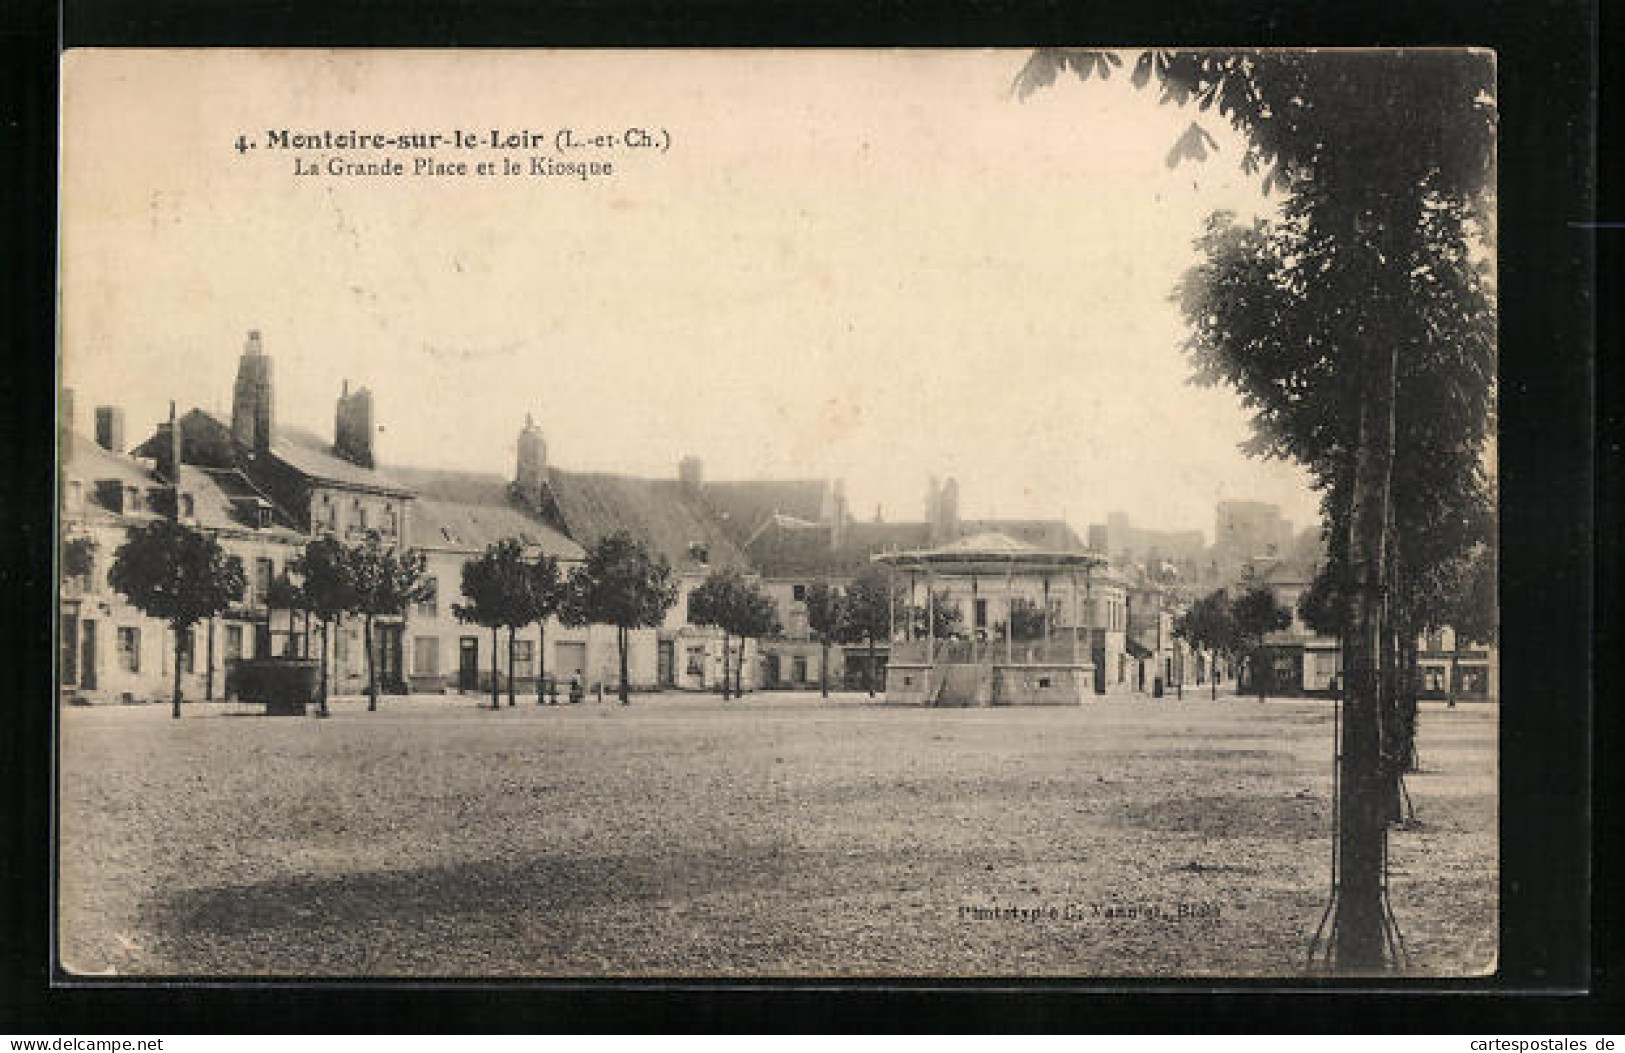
531	474
251	418
352	427
691	471
948	510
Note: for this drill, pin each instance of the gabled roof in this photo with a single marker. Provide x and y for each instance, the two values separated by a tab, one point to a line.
467	511
743	507
669	518
312	456
90	462
217	494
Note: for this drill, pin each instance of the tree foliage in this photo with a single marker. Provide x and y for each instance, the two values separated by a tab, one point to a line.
623	585
498	588
867	614
178	575
826	615
730	602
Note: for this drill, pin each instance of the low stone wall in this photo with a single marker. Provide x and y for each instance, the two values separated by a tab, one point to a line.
1042	685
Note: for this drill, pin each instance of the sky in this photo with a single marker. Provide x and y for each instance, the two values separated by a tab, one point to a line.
876	266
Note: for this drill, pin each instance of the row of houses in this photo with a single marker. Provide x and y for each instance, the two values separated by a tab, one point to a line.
265	489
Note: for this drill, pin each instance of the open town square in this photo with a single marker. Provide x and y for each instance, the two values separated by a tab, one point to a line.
781	835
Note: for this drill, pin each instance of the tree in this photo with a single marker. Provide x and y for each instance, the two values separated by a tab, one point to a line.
939	618
1313	321
387	581
727	601
178	575
1210	625
1026	620
711	604
1255	615
826	611
498	587
328	591
621	584
870	600
549	595
754	617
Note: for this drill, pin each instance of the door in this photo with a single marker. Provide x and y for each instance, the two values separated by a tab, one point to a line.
87	656
771	678
389	658
468	663
668	663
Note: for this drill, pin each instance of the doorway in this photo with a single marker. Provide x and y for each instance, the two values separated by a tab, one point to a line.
389	659
468	663
668	663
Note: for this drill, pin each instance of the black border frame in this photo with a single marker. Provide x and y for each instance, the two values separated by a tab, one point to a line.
1552	495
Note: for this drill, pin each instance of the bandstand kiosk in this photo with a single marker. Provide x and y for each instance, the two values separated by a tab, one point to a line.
992	572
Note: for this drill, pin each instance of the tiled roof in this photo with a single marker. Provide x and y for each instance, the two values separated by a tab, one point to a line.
308	453
214	492
743	507
664	514
467	511
783	552
90	462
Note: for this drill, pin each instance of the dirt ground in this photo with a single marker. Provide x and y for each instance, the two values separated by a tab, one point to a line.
779	836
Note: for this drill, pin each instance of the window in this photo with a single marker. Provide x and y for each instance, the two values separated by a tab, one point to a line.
332	512
390	521
798	669
129	649
696	661
430	607
981	614
799	592
234	642
264	571
360	516
187	642
524	658
425	656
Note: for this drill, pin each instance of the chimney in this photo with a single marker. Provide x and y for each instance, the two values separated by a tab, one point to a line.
691	471
840	516
933	510
110	428
352	431
530	476
251	417
64	430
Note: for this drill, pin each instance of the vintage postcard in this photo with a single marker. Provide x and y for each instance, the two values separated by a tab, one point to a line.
777	514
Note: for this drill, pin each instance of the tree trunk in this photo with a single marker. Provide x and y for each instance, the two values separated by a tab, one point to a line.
175	702
541	664
511	631
372	666
739	669
1213	673
1410	669
496	678
1359	925
322	690
208	671
624	640
823	671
